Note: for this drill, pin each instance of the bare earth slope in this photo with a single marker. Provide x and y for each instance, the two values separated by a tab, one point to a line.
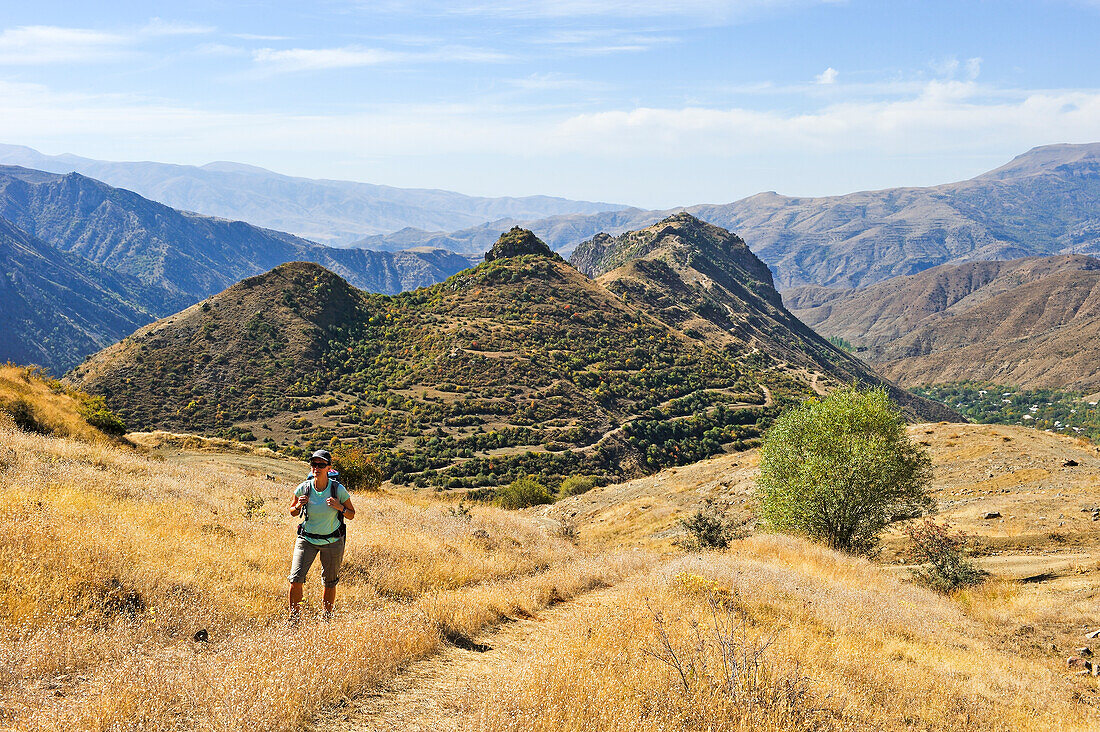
1031	322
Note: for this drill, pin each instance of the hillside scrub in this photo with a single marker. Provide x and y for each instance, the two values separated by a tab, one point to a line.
840	468
824	640
114	561
523	492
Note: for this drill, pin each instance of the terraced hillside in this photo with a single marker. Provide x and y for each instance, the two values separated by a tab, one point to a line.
521	364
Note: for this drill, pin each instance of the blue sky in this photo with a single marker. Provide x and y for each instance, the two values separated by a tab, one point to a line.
647	102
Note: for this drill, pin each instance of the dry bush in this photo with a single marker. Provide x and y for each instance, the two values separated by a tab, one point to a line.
650	658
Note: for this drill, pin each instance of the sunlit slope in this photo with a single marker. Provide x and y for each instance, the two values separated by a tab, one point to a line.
115	560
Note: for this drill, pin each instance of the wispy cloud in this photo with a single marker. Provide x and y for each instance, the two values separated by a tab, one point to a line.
46	44
828	76
160	27
553	82
711	10
291	60
599	41
35	45
258	37
946	115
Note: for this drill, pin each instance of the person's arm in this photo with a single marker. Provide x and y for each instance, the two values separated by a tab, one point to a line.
349	510
296	503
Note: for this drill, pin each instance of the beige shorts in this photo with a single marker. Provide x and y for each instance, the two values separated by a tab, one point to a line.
332	556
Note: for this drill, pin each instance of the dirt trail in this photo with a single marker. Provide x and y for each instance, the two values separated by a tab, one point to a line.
429	696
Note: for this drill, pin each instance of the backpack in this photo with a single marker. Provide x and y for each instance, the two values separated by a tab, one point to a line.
340	532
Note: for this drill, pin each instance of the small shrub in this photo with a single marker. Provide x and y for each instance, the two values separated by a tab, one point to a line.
575	485
943	556
567	529
95	412
22	413
462	511
721	663
357	467
523	492
254	507
708	528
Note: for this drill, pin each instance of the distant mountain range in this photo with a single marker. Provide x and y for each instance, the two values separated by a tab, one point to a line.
111	260
521	364
57	307
331	212
1044	202
1031	322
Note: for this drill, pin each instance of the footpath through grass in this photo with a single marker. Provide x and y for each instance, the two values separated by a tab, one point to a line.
110	562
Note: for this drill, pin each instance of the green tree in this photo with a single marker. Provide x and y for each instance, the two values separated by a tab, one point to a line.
357	467
522	492
839	469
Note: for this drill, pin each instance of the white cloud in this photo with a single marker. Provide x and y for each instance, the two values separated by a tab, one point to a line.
708	10
973	68
314	59
46	44
319	59
34	45
947	121
828	76
947	115
602	41
258	37
160	27
552	82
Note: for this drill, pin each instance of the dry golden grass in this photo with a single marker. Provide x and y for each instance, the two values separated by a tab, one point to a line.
53	408
110	562
872	652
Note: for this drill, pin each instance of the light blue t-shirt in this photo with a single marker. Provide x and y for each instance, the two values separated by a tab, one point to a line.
320	518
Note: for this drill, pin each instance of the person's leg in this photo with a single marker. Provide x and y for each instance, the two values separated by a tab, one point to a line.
304	554
297	589
332	556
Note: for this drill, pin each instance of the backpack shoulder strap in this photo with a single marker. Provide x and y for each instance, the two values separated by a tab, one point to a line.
332	491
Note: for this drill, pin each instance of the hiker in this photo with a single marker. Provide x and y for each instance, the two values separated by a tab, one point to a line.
326	504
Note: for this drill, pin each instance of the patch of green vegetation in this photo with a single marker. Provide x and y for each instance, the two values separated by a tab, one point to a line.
519	366
1053	410
842	343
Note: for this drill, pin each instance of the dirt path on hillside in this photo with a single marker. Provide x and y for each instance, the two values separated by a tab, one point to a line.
429	696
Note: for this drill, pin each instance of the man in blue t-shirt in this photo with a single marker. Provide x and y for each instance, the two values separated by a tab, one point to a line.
322	531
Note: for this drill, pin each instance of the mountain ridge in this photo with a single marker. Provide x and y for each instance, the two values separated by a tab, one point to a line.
58	307
332	212
1030	322
521	364
867	236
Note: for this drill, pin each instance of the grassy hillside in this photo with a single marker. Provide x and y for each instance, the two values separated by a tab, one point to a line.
33	401
117	559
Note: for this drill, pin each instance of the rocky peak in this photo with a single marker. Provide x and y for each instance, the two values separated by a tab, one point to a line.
517	242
